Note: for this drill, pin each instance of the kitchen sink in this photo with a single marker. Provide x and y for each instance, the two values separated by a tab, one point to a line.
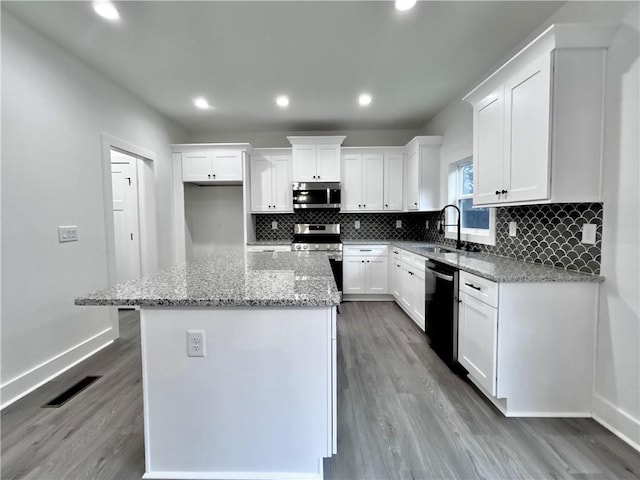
437	249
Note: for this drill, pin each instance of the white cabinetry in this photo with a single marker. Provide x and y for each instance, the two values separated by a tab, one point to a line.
212	166
271	180
529	346
316	159
537	121
365	269
372	179
408	283
423	173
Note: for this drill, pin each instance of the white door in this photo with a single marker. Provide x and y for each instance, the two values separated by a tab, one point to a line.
477	340
227	166
373	181
419	298
527	108
393	181
261	184
377	274
304	163
281	192
352	182
406	287
488	155
124	187
328	163
353	274
413	180
395	279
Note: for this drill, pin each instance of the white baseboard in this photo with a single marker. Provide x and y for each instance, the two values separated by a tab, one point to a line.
235	475
617	420
27	382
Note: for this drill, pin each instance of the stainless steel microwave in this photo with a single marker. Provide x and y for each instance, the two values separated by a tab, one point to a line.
316	195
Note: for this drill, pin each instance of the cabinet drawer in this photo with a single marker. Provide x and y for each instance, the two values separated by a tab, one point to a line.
366	250
477	287
416	262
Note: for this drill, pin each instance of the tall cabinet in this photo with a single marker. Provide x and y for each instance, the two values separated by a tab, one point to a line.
537	121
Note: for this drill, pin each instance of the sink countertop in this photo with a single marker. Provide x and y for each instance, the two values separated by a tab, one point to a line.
230	278
497	268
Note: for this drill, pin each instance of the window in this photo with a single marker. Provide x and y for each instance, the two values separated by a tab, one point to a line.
477	224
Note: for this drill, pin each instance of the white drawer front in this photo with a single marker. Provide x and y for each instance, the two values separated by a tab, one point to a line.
477	287
365	250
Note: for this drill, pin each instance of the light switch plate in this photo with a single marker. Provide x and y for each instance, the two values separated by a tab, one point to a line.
274	225
398	223
68	233
513	229
589	233
357	224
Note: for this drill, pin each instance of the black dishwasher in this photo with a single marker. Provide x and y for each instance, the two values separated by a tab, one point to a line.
441	311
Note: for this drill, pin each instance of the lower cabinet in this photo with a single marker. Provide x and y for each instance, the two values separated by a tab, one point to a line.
407	279
365	269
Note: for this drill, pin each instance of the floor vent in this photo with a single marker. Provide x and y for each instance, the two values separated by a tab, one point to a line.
71	392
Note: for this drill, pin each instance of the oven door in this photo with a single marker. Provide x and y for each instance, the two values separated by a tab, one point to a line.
316	195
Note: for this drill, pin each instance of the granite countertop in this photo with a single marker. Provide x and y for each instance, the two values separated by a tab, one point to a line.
496	268
230	278
269	242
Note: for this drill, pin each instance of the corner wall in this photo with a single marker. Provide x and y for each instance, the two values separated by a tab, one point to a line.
616	398
54	109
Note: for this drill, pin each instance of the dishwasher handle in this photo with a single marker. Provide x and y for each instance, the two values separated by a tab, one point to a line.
441	276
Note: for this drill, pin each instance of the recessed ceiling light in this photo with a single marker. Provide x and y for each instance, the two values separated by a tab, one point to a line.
106	9
282	101
201	103
405	4
364	99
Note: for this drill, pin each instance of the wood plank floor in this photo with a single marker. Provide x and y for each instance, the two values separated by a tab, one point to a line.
402	415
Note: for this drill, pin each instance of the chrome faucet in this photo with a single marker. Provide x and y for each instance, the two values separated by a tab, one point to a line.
443	224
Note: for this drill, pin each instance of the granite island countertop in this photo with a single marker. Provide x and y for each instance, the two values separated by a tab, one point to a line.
230	278
486	265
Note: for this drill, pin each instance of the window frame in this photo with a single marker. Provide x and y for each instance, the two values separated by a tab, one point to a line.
474	235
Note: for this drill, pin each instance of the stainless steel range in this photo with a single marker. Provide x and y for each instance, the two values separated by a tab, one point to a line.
320	237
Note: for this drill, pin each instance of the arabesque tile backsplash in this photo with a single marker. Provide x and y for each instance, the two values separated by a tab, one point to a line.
547	234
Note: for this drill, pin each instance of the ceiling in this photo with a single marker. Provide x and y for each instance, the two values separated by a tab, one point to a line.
240	55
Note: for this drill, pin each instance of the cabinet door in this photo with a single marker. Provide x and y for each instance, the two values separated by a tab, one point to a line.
413	179
477	340
352	182
377	274
353	274
373	181
395	279
527	121
406	287
281	192
304	163
328	163
227	166
393	181
261	184
488	154
419	298
196	166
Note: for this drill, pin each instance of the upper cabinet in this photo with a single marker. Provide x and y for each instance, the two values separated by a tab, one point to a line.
423	174
372	179
211	164
316	159
537	121
270	172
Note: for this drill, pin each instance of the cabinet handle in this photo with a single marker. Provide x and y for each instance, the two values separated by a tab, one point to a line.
214	175
386	204
497	192
359	206
362	261
415	203
364	206
318	177
472	286
367	261
209	175
398	266
365	249
503	191
314	176
410	273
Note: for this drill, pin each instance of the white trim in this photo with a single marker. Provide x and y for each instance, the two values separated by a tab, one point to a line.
371	297
27	382
235	475
619	422
317	140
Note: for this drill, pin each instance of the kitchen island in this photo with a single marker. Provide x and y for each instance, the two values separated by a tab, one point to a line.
238	365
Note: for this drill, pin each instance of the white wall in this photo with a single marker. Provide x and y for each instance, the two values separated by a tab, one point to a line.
54	109
214	217
616	401
355	138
